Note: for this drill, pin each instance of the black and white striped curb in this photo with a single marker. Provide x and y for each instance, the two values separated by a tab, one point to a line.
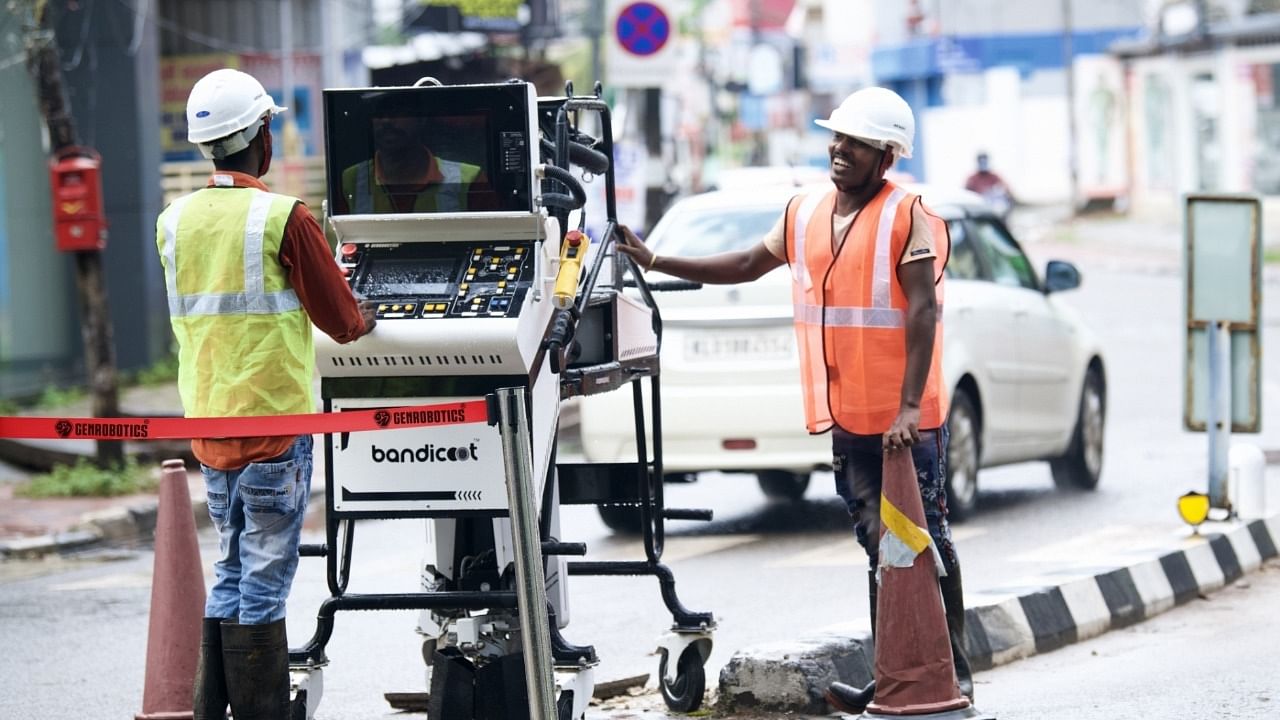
1006	626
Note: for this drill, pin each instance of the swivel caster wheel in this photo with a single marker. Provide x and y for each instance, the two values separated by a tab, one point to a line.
684	693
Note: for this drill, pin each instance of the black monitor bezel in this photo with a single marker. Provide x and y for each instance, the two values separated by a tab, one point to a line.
506	105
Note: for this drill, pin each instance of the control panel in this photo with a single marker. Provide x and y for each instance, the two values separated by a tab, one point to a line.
440	280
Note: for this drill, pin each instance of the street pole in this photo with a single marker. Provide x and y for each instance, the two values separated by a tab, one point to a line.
1218	418
44	61
1068	61
595	29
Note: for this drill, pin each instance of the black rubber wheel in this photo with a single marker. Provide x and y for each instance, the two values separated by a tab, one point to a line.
964	453
684	694
622	518
1081	467
298	706
564	706
782	485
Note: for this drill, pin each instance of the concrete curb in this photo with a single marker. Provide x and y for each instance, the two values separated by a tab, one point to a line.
112	526
790	677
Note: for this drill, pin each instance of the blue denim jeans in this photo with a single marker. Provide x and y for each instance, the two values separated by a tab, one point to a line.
258	512
858	462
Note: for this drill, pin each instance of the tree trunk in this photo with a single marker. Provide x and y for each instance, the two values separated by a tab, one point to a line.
45	63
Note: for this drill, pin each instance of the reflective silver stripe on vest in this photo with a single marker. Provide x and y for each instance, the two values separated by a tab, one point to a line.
364	197
254	228
234	304
254	300
448	196
170	251
804	214
883	267
851	317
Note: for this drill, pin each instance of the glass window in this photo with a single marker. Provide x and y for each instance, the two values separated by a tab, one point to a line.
1008	265
963	263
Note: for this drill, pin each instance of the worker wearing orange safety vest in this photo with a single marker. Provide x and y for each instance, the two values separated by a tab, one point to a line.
866	260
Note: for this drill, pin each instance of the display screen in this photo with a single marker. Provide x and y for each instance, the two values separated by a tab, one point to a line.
407	278
428	149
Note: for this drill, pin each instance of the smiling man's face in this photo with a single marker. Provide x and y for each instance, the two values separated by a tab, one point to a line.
854	163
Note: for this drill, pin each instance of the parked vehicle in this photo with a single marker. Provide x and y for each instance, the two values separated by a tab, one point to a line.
1026	375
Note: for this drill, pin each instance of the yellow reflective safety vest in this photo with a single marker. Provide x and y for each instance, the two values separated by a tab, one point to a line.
365	195
850	312
244	340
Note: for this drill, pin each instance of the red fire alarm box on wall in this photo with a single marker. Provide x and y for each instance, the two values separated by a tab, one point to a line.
79	222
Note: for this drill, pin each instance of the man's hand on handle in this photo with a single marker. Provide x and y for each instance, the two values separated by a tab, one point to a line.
634	247
368	313
905	430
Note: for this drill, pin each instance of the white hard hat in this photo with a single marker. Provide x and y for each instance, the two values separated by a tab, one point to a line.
877	115
225	112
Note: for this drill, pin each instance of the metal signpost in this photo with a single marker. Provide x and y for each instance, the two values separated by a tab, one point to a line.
1223	287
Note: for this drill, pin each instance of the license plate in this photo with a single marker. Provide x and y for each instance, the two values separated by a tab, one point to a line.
710	347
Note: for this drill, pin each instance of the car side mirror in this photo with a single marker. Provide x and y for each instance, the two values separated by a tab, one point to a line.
1060	275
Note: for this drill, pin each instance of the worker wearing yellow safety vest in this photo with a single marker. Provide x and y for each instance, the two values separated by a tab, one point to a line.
866	260
247	272
405	176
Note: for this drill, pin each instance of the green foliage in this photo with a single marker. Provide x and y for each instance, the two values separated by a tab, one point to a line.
1271	255
164	370
56	397
84	479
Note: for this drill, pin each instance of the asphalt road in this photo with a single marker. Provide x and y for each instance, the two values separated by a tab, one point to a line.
75	631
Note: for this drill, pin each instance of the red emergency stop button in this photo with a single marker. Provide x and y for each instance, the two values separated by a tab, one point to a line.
348	249
574	238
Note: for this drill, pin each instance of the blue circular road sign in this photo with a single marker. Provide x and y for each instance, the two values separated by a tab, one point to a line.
642	28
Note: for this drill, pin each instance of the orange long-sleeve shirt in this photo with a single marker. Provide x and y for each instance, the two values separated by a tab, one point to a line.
325	296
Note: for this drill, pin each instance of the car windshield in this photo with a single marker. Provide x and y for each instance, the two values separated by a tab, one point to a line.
707	231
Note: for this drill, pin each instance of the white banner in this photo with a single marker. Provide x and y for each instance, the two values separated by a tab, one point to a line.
444	468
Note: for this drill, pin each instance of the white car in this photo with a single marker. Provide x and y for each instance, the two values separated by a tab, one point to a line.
1025	375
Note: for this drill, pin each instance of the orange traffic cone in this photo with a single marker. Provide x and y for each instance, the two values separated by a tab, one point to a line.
914	670
177	603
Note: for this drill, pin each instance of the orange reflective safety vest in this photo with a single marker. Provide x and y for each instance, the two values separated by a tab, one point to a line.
851	312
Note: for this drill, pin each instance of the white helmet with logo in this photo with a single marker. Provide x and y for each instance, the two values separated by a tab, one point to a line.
225	111
877	115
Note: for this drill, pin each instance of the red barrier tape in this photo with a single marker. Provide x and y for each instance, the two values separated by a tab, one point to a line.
458	413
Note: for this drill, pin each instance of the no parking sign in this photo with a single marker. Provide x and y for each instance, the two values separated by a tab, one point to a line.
641	43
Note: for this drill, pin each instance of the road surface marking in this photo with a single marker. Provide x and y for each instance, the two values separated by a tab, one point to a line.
846	553
680	547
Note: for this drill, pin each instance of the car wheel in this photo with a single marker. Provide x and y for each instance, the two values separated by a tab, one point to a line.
963	457
782	485
1081	466
622	518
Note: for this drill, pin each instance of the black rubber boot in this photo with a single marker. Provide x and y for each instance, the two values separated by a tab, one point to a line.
953	603
256	663
847	698
209	701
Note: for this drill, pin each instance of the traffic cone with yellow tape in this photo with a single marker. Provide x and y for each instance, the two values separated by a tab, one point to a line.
914	669
177	602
